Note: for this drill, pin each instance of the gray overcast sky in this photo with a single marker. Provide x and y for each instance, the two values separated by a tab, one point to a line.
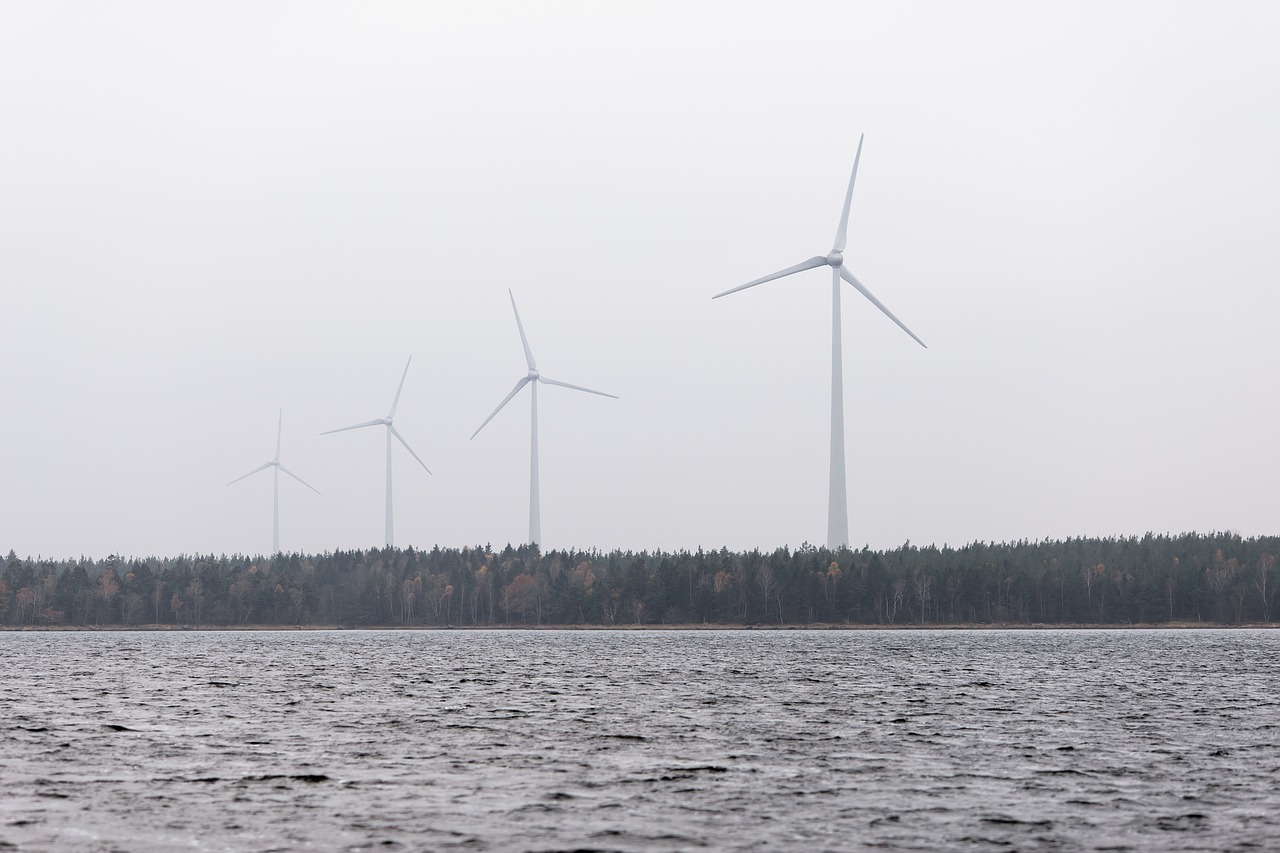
210	211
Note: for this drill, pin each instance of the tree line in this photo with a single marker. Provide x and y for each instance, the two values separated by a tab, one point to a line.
1153	579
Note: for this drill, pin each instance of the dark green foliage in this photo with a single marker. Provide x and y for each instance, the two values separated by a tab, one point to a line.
1216	577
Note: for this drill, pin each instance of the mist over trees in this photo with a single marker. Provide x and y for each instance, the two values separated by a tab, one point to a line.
1153	579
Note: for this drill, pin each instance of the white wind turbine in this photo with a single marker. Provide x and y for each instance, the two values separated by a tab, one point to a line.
532	379
391	431
275	475
837	502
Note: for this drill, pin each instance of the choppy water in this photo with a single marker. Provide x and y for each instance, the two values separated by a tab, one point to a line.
496	740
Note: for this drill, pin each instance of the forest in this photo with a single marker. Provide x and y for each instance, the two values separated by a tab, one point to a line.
1215	578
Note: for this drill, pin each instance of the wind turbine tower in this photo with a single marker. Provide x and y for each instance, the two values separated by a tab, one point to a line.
275	475
392	432
837	499
533	378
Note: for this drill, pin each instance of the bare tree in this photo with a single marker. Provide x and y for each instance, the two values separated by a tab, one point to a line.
899	591
1261	582
765	580
953	595
922	584
1086	575
157	595
108	586
439	591
195	590
541	591
235	596
24	601
130	605
408	595
1220	577
43	590
610	606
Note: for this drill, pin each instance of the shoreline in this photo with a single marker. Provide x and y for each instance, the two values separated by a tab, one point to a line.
695	627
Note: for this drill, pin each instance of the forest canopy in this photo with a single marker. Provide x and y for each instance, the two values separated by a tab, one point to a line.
1153	579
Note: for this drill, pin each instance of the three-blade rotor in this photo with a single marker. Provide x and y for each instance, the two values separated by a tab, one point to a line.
834	259
275	463
533	375
388	420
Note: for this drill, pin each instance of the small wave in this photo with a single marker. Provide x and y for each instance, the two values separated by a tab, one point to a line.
1013	821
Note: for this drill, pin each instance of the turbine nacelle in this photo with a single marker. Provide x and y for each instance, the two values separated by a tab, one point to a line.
534	375
834	258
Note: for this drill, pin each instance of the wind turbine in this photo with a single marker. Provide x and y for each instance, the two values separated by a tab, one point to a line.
275	475
837	503
533	378
391	431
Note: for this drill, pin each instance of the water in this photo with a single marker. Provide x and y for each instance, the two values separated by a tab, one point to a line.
552	740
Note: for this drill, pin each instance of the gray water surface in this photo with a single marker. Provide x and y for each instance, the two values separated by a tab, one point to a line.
597	740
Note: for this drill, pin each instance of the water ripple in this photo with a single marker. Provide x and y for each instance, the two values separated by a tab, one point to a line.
639	741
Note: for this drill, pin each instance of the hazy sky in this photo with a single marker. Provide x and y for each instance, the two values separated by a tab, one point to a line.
211	211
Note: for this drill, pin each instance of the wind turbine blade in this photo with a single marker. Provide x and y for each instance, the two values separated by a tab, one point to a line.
507	399
400	438
574	387
396	401
378	422
528	353
842	233
848	276
299	479
262	467
279	431
812	263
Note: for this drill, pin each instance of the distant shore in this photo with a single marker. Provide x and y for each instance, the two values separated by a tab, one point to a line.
1153	581
1152	626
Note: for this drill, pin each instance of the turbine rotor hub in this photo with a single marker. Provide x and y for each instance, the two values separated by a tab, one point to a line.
533	373
835	258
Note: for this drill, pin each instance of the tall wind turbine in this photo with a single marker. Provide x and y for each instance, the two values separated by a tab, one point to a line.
837	502
532	379
391	432
275	475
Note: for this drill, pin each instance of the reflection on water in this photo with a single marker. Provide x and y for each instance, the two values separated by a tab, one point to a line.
497	740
